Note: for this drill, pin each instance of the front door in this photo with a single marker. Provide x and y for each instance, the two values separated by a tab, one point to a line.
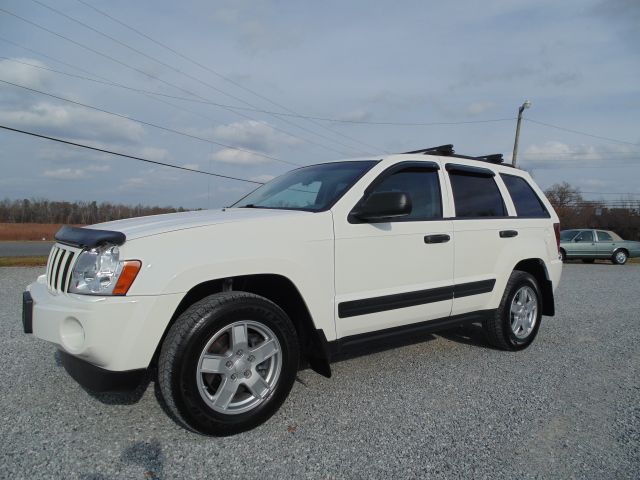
398	271
584	245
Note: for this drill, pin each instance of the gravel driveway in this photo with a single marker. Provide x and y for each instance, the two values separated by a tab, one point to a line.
449	407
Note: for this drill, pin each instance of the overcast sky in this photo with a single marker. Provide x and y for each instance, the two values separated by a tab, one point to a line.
376	61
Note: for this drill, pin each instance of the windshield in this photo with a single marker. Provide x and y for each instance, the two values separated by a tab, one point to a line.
567	235
312	188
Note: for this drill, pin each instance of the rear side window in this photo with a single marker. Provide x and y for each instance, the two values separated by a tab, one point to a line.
422	185
526	201
476	195
604	236
586	236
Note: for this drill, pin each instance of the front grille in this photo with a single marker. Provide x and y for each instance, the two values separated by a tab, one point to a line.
59	267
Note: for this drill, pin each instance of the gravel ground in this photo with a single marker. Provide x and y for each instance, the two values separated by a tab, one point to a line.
24	249
450	407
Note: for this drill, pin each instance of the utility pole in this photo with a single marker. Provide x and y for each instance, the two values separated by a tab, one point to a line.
522	108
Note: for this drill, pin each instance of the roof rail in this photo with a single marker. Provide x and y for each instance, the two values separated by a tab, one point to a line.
448	151
493	158
444	150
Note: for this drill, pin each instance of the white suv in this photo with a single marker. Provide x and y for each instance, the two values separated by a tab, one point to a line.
228	304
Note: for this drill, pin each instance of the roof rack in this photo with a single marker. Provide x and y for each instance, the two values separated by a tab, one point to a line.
444	150
448	151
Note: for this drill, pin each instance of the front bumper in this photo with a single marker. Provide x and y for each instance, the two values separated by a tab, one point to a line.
114	333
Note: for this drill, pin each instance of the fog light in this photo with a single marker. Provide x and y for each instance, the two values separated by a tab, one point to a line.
72	334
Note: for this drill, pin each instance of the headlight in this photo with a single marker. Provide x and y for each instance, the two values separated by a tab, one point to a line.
100	271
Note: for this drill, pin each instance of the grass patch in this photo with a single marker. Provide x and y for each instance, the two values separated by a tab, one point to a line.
28	231
39	261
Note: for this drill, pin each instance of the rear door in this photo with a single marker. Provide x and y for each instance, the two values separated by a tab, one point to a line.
481	229
605	244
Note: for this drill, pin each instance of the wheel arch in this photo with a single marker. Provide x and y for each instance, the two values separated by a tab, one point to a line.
620	249
538	269
281	291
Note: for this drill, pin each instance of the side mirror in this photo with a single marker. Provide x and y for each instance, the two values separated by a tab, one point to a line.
577	239
380	206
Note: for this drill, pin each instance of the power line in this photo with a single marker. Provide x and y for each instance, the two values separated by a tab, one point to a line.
154	125
101	80
413	124
559	167
612	193
577	155
171	67
133	157
142	72
104	81
615	140
224	77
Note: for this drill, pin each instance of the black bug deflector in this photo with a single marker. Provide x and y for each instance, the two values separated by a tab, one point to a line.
88	237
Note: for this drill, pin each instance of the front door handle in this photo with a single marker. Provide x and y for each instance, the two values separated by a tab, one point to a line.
441	238
508	233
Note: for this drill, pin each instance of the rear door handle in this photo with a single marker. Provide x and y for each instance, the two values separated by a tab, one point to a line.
441	238
508	233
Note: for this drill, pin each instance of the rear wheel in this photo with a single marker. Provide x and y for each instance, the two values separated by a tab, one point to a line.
228	363
517	319
620	257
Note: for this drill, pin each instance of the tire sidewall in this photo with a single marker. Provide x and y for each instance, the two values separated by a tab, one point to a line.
516	343
615	257
184	382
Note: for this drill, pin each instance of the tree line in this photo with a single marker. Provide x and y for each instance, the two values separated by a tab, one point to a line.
622	215
77	213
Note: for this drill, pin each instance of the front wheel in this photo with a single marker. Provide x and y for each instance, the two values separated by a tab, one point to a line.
620	257
228	363
516	321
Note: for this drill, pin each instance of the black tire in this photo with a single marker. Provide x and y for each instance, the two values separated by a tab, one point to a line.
620	257
188	337
563	255
498	326
588	260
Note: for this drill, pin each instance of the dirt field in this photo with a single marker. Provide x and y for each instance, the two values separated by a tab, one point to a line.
28	231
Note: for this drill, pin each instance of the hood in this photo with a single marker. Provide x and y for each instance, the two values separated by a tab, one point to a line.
155	224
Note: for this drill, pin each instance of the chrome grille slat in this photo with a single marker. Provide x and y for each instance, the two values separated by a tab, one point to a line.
58	280
56	274
54	263
60	266
51	253
64	283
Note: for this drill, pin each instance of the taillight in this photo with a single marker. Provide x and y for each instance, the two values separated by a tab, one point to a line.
556	228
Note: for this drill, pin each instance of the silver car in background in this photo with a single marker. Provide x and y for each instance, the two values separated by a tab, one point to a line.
591	244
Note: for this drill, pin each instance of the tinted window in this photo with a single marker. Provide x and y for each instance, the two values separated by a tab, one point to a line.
524	198
586	236
423	188
604	237
567	235
309	188
476	195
